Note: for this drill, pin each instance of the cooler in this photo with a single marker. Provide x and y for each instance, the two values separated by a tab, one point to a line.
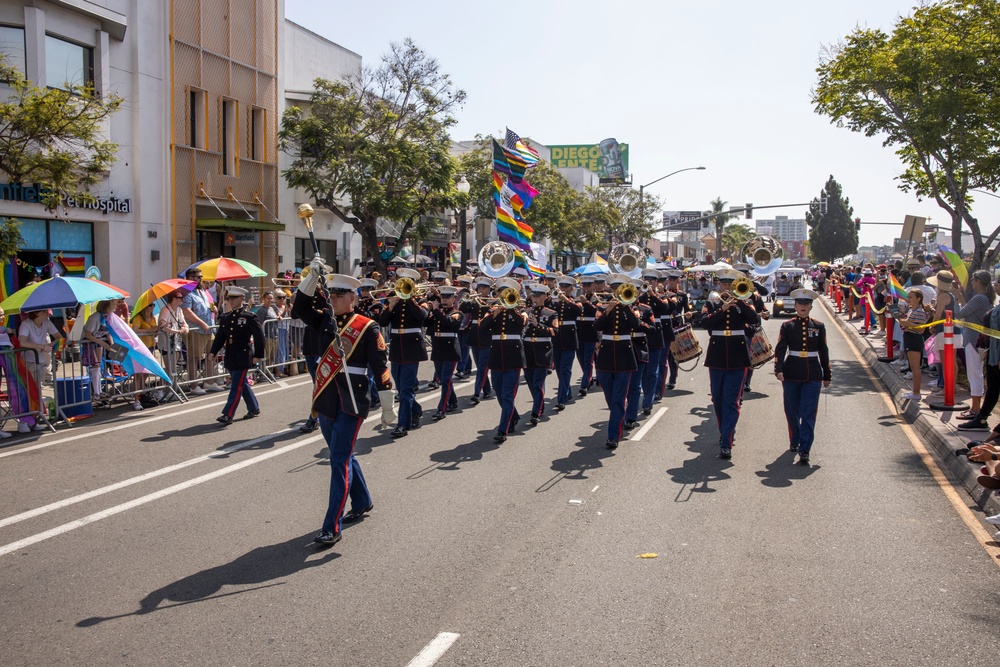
74	390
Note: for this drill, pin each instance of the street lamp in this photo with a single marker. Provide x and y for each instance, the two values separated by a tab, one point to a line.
642	202
463	187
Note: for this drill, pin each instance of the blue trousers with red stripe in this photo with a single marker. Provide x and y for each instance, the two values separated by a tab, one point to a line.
505	383
635	393
563	361
615	387
585	355
482	355
446	371
651	376
801	404
727	394
346	478
535	377
239	388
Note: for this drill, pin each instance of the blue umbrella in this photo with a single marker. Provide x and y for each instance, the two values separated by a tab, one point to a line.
591	269
60	292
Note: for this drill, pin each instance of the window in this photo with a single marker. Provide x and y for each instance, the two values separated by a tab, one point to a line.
197	112
12	46
67	64
230	131
258	125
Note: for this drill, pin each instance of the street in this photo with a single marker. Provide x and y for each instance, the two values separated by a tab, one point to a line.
161	538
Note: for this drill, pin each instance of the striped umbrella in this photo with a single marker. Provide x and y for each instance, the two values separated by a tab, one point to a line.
226	269
160	290
60	292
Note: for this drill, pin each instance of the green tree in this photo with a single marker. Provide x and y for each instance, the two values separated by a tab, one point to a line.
720	220
736	237
930	90
54	137
380	141
832	234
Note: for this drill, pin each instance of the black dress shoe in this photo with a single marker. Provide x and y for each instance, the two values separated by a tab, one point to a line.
533	420
560	406
793	448
657	397
432	385
647	411
630	424
475	400
415	422
803	459
327	539
356	515
252	414
438	416
725	453
224	420
582	392
500	437
309	426
399	433
747	388
487	395
611	443
671	385
974	425
453	406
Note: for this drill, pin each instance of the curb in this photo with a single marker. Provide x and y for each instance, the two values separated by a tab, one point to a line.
935	428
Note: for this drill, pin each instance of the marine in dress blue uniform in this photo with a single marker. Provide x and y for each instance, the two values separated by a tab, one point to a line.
464	369
640	346
506	327
446	353
405	319
728	358
758	304
802	364
537	341
615	359
565	344
679	316
353	346
479	338
587	333
655	341
240	333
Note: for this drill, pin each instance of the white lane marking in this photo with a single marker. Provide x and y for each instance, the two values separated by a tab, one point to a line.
595	488
150	475
433	651
645	429
166	414
17	518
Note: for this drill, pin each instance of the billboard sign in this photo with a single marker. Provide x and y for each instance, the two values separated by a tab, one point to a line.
608	159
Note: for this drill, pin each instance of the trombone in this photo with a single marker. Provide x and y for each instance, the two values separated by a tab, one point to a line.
742	289
403	288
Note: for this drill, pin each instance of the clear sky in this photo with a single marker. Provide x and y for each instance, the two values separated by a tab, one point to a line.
720	84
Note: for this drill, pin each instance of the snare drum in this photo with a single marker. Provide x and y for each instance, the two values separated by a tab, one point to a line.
761	351
685	346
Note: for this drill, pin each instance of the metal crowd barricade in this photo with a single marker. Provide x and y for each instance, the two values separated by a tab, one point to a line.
283	347
22	394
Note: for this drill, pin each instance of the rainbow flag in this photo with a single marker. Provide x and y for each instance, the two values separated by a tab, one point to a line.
527	153
524	192
526	262
956	264
508	162
73	266
7	280
22	390
896	289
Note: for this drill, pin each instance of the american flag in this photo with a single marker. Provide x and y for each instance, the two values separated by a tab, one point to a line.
513	142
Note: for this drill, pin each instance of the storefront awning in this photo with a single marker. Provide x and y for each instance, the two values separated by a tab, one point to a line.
222	224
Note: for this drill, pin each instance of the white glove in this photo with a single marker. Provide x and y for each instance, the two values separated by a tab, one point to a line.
388	411
308	284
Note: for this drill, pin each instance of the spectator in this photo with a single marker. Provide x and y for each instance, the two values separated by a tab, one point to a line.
145	325
199	313
913	339
943	301
95	331
37	332
268	311
983	297
918	280
173	328
282	309
933	265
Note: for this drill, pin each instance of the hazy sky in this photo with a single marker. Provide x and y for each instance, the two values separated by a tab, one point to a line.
720	84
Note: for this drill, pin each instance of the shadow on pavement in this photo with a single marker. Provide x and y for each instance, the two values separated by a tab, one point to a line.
589	455
190	431
258	566
784	470
451	459
695	475
849	378
909	467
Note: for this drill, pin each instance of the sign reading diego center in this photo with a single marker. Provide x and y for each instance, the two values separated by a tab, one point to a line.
608	159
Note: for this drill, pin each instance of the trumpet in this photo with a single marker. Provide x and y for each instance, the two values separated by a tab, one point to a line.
403	288
625	293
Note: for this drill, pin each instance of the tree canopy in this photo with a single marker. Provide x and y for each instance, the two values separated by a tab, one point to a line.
377	145
53	137
832	234
930	91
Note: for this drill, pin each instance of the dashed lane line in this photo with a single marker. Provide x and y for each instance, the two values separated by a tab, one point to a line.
431	653
648	425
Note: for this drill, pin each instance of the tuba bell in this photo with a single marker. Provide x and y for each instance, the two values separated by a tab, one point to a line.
496	259
627	258
764	255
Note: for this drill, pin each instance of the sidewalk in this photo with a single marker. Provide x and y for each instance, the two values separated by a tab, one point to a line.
936	428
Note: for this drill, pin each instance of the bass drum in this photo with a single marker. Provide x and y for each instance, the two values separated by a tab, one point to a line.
761	351
685	346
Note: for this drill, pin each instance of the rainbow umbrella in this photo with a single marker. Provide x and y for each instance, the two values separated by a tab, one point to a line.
60	292
226	269
160	290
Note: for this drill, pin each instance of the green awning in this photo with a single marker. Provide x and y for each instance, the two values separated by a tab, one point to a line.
233	223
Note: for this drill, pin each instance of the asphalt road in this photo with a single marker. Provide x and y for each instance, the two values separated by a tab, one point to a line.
160	538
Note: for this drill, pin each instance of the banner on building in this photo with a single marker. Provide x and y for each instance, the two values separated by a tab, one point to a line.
241	238
608	159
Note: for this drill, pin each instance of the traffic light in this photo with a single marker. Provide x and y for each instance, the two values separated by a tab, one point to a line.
823	204
857	225
749	211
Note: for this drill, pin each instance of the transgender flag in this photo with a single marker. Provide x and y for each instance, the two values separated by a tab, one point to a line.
138	359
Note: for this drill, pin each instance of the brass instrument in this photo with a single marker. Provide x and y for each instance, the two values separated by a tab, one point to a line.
742	289
510	298
627	293
627	258
764	254
496	259
405	288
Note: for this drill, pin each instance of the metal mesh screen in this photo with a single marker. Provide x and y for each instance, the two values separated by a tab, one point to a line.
243	41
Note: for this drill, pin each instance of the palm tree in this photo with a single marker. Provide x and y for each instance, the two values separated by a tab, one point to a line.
720	220
736	237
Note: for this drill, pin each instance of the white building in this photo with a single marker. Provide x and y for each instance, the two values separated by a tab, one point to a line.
784	228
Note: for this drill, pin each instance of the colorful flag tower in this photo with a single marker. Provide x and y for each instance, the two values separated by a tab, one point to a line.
513	197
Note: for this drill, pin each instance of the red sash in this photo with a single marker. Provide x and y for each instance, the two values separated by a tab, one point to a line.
333	360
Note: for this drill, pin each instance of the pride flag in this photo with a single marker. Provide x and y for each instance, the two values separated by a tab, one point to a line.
896	289
6	280
22	390
956	264
138	359
73	266
508	162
